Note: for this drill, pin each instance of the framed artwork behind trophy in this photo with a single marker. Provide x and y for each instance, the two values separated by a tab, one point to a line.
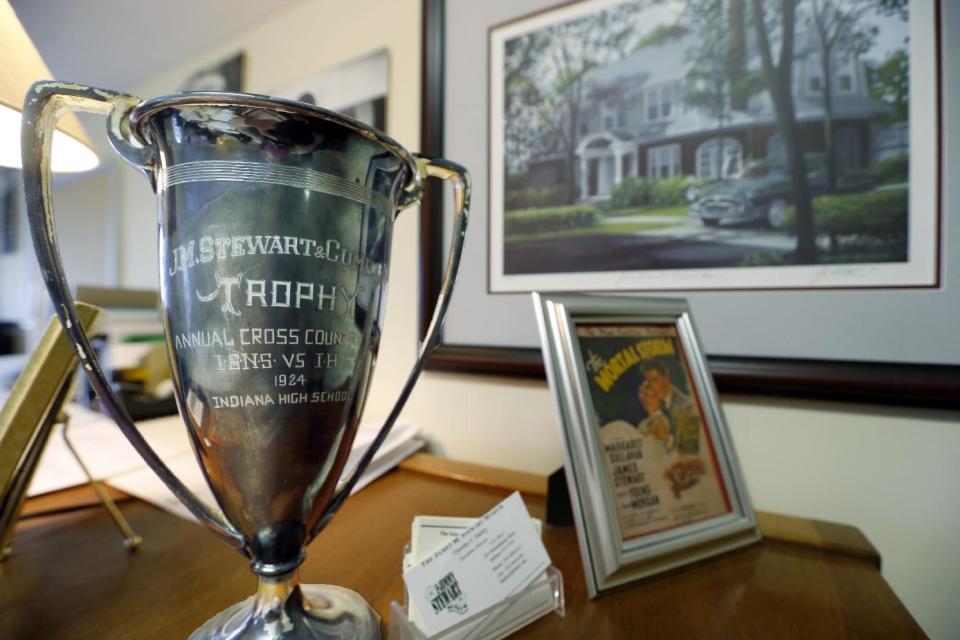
653	477
225	75
358	88
833	338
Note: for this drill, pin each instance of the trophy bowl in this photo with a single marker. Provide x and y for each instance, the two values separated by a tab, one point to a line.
275	222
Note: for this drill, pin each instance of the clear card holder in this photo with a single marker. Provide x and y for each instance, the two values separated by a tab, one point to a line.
543	596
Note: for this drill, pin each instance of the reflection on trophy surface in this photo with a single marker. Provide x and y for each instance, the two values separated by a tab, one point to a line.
275	230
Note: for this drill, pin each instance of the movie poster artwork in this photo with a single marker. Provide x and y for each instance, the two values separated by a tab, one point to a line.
660	460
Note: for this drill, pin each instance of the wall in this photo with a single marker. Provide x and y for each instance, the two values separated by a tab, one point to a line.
15	268
82	211
887	471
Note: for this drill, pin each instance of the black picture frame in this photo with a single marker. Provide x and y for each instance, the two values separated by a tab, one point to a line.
886	383
8	211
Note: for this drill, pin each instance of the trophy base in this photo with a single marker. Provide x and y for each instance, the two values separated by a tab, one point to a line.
309	612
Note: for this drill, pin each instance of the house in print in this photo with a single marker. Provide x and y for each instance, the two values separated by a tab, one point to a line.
636	120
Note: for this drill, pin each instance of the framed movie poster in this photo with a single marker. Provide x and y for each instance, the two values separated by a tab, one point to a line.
653	477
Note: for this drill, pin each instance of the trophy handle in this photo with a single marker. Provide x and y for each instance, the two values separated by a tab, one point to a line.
459	179
44	104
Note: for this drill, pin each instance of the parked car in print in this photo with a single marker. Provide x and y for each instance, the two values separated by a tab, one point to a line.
761	192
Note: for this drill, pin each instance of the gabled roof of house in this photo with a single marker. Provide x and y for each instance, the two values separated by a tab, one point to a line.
845	105
667	62
647	66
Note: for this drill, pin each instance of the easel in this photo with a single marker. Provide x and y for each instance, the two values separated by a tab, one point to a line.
27	419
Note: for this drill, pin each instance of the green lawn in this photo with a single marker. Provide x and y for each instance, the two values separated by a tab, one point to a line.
617	227
673	212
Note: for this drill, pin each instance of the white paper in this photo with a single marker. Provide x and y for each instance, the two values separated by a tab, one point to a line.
103	449
110	457
142	483
128	355
492	560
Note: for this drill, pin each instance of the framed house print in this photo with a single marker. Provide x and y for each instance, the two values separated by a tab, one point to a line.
700	144
654	481
833	330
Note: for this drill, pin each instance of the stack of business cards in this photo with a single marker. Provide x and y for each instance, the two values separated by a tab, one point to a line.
477	578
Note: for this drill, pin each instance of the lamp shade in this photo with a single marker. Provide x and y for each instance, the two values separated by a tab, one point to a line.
21	66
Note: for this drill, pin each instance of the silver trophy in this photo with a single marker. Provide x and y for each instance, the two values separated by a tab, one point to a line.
275	225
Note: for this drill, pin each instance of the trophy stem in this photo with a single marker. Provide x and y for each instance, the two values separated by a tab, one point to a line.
284	609
272	595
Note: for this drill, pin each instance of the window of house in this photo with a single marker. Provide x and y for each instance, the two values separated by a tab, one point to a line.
775	150
666	101
847	146
583	127
663	161
812	73
609	114
719	158
653	104
626	165
622	113
845	77
663	101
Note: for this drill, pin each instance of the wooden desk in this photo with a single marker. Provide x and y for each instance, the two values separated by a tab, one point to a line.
69	576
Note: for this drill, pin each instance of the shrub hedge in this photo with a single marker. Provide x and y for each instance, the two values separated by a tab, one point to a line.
878	214
893	170
643	192
536	197
550	219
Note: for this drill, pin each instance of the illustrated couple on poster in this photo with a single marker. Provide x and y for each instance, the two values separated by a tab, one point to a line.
661	467
672	418
672	426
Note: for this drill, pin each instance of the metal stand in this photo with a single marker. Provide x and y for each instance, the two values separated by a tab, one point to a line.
130	538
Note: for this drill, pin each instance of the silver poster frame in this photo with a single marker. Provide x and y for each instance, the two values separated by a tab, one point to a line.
609	562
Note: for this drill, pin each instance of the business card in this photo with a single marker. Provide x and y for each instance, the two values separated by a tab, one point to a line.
429	534
489	561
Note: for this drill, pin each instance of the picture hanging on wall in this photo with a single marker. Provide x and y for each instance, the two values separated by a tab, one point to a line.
357	89
699	144
768	320
8	210
227	75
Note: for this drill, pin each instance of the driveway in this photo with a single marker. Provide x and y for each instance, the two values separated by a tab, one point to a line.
685	245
